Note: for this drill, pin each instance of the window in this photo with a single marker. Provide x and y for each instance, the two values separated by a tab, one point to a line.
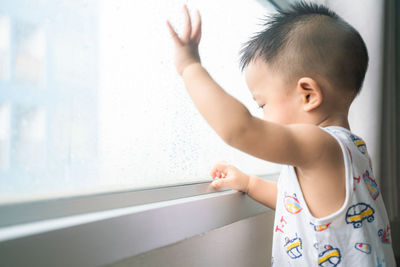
91	101
98	135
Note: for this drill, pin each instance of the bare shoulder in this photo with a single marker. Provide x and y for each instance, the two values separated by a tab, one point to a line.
319	149
302	145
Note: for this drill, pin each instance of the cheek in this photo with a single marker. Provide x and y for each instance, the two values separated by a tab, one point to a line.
280	112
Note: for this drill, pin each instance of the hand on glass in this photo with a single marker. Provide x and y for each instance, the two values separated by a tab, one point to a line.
187	45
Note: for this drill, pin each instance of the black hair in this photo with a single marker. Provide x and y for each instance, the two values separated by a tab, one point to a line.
310	39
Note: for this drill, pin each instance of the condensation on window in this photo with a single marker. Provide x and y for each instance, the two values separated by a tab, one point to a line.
91	102
4	47
4	137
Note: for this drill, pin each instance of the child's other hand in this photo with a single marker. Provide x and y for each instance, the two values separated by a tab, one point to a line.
230	177
187	46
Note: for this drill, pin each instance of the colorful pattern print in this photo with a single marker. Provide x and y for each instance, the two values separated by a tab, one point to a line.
372	186
294	247
380	263
359	212
360	144
329	257
321	227
292	204
283	224
385	235
356	180
363	247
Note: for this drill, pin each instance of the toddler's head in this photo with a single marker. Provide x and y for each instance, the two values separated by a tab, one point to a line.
306	66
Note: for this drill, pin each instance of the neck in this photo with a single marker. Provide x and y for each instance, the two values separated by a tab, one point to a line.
335	121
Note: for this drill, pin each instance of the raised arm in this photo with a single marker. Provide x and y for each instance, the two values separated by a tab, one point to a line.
225	114
299	145
216	106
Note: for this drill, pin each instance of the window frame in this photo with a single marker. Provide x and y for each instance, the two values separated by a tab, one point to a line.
104	228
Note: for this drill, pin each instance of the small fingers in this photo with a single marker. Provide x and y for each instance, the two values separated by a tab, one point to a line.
188	25
196	34
220	169
217	184
220	174
222	183
174	35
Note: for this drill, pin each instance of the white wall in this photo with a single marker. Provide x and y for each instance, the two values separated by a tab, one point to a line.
364	116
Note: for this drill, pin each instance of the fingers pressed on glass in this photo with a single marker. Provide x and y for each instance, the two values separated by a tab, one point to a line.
188	28
196	33
174	35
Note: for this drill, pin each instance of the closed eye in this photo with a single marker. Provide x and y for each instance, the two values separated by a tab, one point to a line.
262	106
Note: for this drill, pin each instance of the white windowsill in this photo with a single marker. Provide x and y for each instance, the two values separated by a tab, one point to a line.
107	236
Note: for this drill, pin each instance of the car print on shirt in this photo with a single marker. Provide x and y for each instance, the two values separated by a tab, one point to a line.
372	186
363	247
380	263
360	144
320	227
292	204
294	247
330	257
384	235
357	213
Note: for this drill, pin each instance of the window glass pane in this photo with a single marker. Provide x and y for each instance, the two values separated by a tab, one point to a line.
90	99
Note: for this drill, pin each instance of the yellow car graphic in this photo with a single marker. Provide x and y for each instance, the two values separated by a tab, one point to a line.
329	257
294	247
359	212
360	144
292	204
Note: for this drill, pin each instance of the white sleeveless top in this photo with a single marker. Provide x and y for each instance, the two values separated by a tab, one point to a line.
358	234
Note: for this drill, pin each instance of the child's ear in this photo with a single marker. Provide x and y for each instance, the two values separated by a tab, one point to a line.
310	93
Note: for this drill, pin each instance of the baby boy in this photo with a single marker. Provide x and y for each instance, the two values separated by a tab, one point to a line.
304	70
